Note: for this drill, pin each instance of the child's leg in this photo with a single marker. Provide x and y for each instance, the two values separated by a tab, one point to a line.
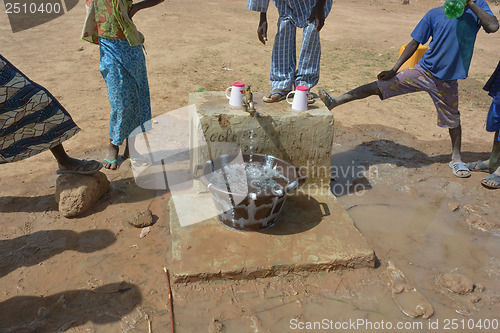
283	60
405	82
492	125
456	145
309	60
493	180
357	93
494	161
444	94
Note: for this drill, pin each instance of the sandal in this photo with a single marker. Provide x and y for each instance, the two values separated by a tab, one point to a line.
493	178
85	168
110	163
459	166
472	166
275	96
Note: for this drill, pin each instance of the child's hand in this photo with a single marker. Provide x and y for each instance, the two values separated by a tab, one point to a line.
467	2
262	29
386	75
318	15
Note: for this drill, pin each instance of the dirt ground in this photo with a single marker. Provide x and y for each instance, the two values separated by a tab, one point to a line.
94	274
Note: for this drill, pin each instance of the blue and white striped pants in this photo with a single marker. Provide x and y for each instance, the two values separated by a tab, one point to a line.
285	74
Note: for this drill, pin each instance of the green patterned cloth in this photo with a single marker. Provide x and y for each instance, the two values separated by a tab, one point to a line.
109	19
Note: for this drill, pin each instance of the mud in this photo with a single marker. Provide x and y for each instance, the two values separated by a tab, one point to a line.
94	273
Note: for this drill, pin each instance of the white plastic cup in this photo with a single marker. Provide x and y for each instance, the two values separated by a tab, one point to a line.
237	92
300	98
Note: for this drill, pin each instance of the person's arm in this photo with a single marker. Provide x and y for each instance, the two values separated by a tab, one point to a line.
262	29
142	5
489	22
318	14
407	53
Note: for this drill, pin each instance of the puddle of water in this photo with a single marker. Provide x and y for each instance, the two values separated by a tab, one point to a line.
406	220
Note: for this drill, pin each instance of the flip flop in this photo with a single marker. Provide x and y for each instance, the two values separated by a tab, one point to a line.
111	163
275	96
494	177
482	167
85	168
459	166
139	161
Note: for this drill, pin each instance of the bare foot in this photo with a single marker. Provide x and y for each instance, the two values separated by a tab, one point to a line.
111	160
493	180
329	101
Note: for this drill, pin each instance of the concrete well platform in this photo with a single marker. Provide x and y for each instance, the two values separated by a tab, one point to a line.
302	138
313	233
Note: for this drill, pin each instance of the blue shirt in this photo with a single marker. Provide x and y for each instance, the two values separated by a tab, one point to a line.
297	11
452	44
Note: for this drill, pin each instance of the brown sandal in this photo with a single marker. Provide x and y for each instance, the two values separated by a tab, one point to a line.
275	96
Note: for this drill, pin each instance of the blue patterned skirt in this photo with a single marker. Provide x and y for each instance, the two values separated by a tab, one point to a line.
31	119
123	67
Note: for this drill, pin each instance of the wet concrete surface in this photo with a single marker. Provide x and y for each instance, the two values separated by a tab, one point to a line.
313	233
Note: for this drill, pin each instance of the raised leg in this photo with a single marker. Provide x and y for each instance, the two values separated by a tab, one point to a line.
360	92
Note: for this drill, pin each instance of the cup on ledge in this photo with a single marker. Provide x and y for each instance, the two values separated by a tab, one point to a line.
237	92
300	98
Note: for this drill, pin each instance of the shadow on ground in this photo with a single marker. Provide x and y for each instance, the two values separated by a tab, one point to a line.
62	311
350	167
37	247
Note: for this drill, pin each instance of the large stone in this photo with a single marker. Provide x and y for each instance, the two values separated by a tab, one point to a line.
302	138
141	219
76	193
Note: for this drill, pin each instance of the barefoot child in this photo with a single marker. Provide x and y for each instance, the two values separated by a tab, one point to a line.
123	67
447	61
492	165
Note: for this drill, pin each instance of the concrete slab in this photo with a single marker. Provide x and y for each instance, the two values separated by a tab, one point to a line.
302	138
313	233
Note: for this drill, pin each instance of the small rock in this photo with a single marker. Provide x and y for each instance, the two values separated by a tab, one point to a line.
456	283
80	48
405	2
480	287
453	206
467	209
77	193
215	327
478	221
142	219
473	298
